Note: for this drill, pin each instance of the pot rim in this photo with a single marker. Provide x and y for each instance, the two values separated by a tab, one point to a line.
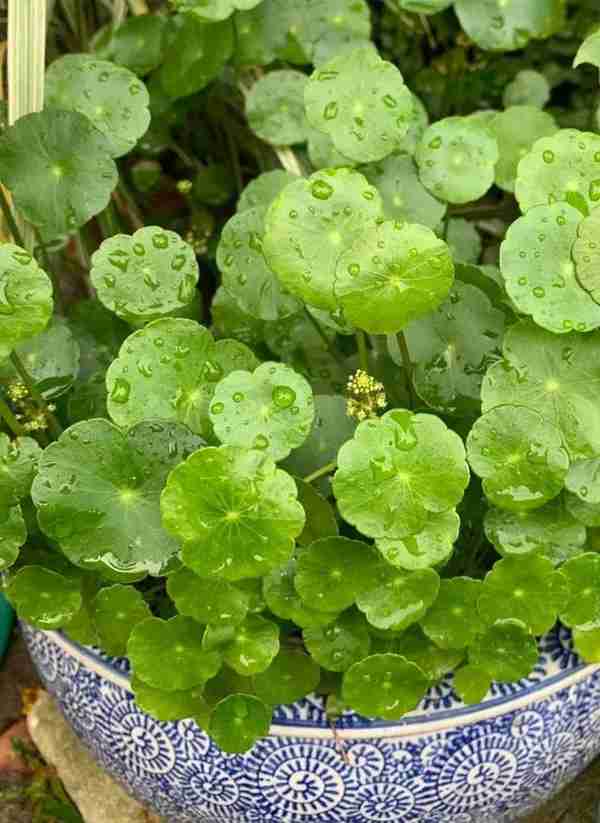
412	725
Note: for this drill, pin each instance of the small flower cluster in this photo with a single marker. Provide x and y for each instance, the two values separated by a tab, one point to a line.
29	416
366	396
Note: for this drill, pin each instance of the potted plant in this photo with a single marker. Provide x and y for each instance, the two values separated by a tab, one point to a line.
300	423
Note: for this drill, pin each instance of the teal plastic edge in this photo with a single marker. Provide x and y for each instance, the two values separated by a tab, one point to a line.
6	623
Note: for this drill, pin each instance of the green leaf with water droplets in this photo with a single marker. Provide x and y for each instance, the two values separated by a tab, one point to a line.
139	43
235	512
586	255
310	224
212	10
535	259
196	55
432	546
520	457
238	721
284	601
177	644
270	409
145	275
275	107
248	648
341	644
291	676
13	534
526	588
400	599
453	621
527	88
322	153
558	376
507	651
262	190
167	706
471	683
361	102
246	274
581	607
97	493
456	158
112	97
497	25
550	531
392	274
583	480
396	471
58	168
564	167
44	598
433	661
18	466
452	347
384	685
516	131
117	610
589	51
169	370
207	600
25	298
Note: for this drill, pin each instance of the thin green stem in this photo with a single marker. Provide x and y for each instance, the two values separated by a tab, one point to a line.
54	425
130	206
363	352
408	367
49	269
324	470
330	347
10	420
10	219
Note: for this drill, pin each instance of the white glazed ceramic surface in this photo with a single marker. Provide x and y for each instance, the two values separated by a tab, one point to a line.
445	763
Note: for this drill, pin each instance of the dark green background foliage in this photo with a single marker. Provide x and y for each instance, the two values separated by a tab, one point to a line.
300	348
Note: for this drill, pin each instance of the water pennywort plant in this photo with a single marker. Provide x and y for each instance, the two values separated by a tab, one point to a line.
300	385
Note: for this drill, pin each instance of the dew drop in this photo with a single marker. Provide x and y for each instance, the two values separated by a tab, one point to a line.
261	442
217	408
538	291
548	156
120	391
331	110
283	396
321	190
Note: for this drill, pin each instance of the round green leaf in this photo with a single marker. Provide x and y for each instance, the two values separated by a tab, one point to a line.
58	168
230	321
332	27
196	55
507	651
525	588
177	644
25	298
18	466
248	648
361	102
471	683
322	153
212	10
13	534
551	531
456	158
401	599
270	409
563	167
520	457
464	240
392	274
275	107
432	546
291	676
145	275
207	601
434	662
404	197
169	370
332	572
43	597
452	347
535	259
310	224
586	255
169	706
284	601
504	26
139	42
262	190
338	646
585	513
589	51
320	514
97	493
527	88
587	643
384	685
236	513
112	97
396	471
453	621
238	721
117	610
516	130
581	607
245	272
583	480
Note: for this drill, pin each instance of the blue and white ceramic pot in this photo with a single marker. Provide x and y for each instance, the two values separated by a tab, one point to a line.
445	763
